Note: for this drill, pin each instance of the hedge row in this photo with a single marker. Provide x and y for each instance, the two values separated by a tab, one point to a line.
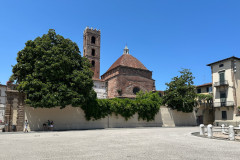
146	105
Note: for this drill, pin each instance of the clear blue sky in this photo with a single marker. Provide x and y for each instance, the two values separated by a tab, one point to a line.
165	35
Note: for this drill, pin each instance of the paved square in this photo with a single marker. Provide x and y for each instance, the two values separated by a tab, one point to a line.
121	143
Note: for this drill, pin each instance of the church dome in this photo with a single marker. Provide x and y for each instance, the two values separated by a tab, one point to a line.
127	60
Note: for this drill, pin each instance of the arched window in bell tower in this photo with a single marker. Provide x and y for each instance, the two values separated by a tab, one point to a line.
93	63
93	39
93	52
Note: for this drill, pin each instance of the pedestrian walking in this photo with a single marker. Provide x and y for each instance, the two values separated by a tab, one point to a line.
26	126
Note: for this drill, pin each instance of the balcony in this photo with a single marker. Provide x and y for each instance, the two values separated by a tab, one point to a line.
208	105
221	83
224	104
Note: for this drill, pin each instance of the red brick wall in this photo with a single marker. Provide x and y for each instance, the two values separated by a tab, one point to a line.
125	79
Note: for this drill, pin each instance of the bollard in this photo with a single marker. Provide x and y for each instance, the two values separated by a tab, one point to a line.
202	130
223	126
209	130
231	133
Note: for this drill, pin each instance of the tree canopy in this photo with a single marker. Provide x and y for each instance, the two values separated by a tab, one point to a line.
180	93
51	72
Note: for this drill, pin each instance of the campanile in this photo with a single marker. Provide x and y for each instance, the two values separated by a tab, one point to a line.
91	49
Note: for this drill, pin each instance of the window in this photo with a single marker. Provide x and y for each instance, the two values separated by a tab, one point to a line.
93	63
222	94
221	65
210	89
160	94
93	40
224	115
222	77
199	90
93	52
223	98
135	90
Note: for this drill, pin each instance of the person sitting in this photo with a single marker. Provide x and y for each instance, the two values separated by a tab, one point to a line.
44	126
49	125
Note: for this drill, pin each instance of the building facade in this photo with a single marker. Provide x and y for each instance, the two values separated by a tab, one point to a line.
205	110
127	76
3	89
226	90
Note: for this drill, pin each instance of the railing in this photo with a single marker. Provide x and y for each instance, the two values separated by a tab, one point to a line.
221	83
202	104
224	104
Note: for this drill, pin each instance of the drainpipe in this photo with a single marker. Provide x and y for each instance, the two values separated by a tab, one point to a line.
234	88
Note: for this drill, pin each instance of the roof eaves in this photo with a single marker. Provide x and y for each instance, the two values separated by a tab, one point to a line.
233	57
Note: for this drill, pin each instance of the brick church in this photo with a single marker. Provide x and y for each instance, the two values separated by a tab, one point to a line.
124	78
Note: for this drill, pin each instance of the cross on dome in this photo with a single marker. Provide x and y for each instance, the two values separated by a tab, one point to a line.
126	50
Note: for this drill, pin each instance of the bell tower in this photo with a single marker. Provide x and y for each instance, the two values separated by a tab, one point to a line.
91	49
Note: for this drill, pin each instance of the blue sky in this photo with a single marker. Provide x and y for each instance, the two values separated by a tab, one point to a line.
165	35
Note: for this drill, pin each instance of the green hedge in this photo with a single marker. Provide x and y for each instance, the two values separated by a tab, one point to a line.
146	105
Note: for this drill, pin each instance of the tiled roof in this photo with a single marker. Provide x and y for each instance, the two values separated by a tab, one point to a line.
233	57
128	61
206	84
97	79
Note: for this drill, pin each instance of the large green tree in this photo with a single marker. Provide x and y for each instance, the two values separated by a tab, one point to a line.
51	72
180	93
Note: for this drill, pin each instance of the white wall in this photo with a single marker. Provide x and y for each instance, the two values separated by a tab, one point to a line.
68	118
117	121
3	88
71	118
100	88
184	119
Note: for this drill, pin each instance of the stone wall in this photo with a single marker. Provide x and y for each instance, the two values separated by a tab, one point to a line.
14	112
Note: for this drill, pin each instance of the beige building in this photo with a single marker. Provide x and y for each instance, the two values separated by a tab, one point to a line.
226	90
205	111
3	88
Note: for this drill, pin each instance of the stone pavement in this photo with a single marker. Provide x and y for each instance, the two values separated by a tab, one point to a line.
121	143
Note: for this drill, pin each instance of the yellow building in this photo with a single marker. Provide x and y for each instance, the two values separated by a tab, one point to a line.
205	111
226	90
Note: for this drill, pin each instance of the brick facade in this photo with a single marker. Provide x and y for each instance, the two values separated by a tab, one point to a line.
15	102
125	77
91	49
122	80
